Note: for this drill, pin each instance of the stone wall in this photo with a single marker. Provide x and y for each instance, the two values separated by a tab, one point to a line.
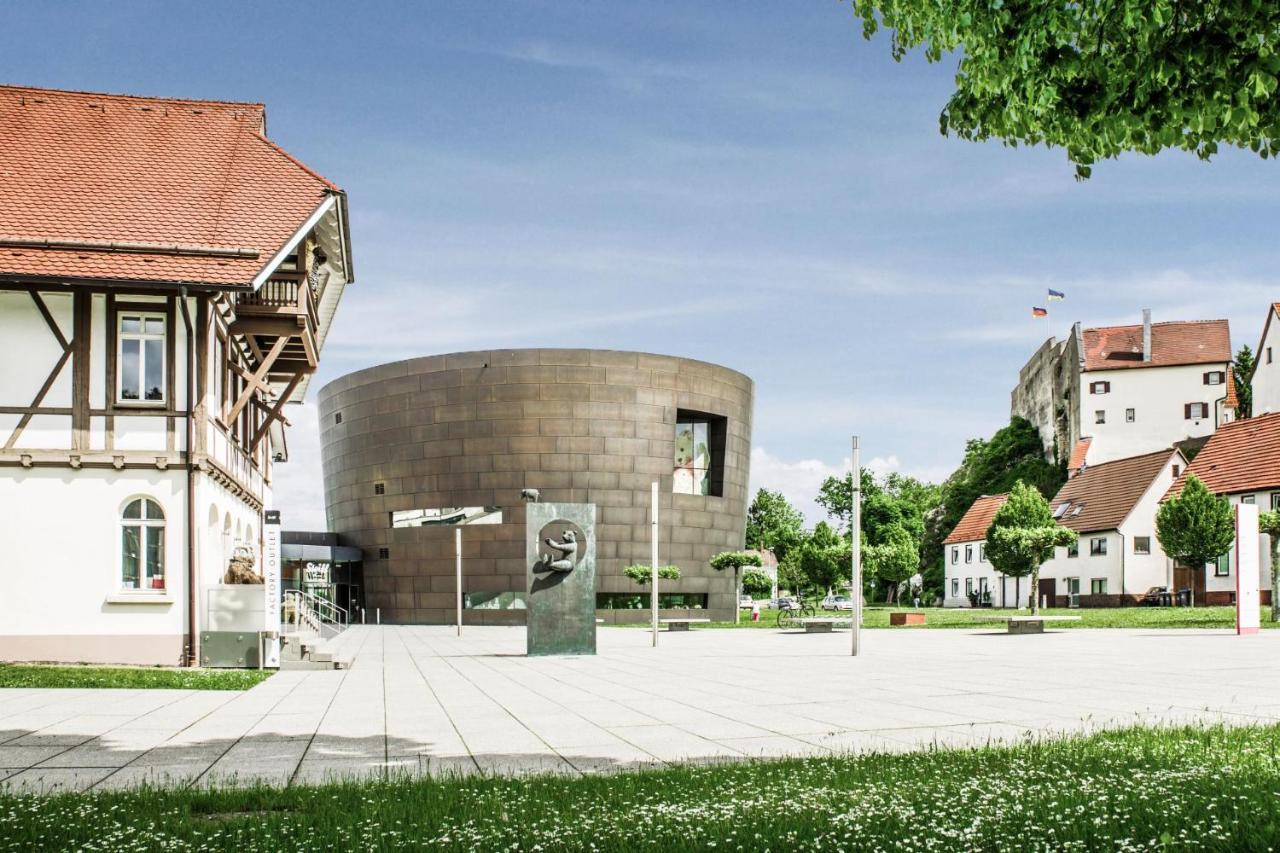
474	429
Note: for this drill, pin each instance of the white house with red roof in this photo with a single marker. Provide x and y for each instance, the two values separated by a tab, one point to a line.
168	276
1111	506
1242	463
1128	390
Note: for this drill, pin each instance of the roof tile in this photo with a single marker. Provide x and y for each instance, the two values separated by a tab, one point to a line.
1189	342
1241	456
1108	492
973	525
78	166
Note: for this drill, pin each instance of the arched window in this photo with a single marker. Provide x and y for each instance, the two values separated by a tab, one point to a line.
142	545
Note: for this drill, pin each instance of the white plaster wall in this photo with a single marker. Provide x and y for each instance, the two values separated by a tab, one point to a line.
1266	377
1086	566
62	552
1158	396
30	354
977	570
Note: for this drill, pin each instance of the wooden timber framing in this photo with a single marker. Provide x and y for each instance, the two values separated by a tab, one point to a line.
68	348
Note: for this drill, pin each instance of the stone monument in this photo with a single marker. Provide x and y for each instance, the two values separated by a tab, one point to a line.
561	552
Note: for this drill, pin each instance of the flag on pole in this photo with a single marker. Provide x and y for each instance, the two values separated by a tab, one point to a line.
1039	312
1056	295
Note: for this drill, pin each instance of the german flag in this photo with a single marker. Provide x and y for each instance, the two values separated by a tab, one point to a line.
1039	312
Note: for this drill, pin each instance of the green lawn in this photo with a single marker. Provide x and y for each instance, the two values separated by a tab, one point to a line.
1189	788
34	675
955	617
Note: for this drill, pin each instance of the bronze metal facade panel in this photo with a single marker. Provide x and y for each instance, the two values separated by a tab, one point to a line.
474	429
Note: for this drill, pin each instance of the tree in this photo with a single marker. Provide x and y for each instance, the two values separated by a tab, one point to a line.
1099	77
893	561
1022	536
890	505
1241	375
736	560
643	574
1269	523
756	584
820	562
773	523
1195	527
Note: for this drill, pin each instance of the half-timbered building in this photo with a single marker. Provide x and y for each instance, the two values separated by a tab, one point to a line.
168	275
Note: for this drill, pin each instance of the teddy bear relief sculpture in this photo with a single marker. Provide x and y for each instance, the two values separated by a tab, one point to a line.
562	558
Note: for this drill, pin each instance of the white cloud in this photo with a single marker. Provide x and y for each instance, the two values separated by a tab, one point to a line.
299	484
800	481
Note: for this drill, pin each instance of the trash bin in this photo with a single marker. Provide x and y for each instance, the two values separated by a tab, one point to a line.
1184	597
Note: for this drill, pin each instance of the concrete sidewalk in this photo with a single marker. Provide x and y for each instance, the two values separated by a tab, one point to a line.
418	700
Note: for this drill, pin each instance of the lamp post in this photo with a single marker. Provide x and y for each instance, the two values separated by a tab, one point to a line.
457	548
855	550
653	577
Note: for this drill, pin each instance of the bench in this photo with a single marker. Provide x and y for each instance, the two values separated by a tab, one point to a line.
901	618
824	624
1027	624
681	624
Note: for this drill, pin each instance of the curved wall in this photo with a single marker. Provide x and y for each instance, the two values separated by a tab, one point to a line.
473	429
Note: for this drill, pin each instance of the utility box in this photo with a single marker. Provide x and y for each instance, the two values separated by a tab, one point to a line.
230	649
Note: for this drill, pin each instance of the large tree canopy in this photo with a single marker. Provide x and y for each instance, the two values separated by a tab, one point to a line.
773	523
1197	526
1100	77
1023	535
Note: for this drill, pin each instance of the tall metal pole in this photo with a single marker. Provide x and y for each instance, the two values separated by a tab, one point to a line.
457	548
855	526
653	576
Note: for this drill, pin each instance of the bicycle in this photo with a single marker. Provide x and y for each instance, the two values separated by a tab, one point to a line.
790	618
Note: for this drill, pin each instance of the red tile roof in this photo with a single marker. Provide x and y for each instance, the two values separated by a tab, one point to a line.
80	167
1241	456
1108	492
973	525
1191	342
1078	454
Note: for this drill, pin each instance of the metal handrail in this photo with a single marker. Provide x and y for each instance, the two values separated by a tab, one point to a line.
316	610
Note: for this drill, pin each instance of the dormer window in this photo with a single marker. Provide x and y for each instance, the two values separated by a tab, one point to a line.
1062	509
1079	509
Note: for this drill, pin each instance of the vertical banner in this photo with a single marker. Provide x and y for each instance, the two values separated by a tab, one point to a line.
1248	600
271	586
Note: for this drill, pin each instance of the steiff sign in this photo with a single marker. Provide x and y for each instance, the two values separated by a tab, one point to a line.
561	553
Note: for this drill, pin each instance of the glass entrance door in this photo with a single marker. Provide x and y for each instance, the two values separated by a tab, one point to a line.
1073	592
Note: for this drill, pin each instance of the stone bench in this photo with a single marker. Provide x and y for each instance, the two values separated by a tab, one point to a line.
824	624
1027	624
681	624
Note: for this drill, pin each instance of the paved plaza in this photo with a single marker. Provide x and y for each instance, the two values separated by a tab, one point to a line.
419	700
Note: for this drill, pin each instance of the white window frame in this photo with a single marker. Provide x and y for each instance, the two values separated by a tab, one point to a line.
1147	550
968	553
142	337
146	530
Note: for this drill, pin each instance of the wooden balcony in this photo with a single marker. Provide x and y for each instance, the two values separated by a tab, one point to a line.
284	308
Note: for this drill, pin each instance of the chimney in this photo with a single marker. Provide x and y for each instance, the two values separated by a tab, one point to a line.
1146	334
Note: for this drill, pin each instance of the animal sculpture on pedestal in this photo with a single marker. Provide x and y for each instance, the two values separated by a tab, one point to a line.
563	560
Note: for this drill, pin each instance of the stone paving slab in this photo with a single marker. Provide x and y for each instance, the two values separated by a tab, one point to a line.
420	701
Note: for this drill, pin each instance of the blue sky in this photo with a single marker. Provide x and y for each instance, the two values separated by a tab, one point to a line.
749	183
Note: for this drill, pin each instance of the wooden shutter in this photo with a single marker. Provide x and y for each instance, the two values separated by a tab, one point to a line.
1186	412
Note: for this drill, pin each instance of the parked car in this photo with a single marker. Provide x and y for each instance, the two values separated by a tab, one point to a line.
746	602
837	602
788	604
1157	596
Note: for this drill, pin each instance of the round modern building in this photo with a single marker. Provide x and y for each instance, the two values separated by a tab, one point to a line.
416	450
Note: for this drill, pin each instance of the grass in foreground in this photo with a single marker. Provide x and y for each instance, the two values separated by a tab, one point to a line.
1190	788
957	617
154	678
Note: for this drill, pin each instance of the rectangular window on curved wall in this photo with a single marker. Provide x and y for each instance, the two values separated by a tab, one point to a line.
449	515
698	465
